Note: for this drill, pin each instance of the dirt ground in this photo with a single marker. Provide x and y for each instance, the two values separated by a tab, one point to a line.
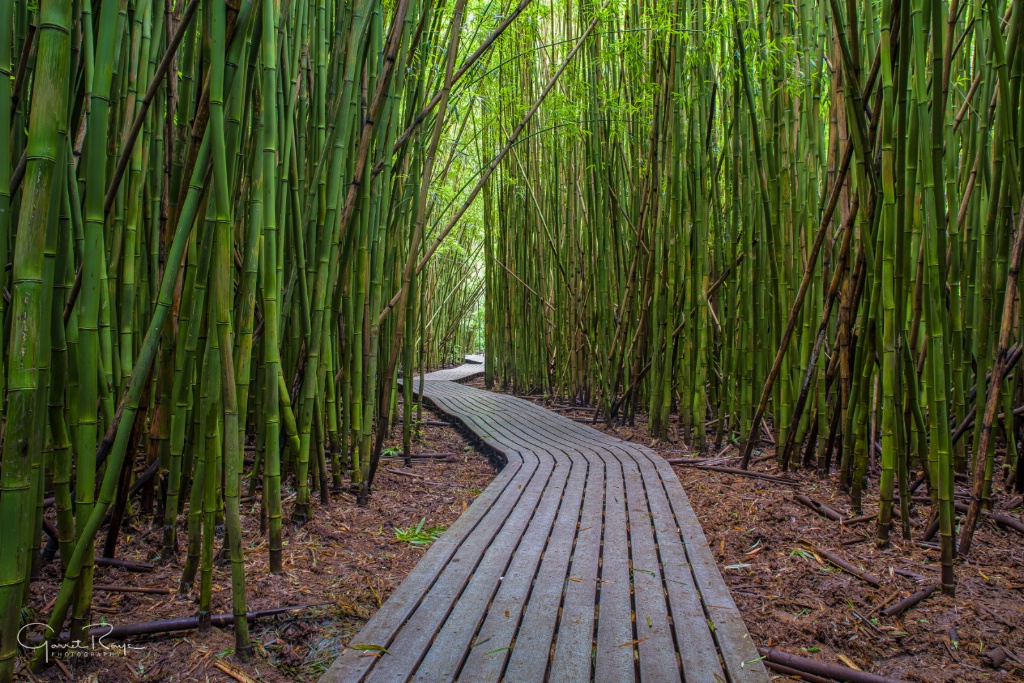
346	562
793	599
801	604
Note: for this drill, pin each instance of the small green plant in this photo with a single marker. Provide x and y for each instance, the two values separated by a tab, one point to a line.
802	553
390	452
417	535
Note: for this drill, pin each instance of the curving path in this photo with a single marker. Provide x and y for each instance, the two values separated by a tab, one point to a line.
582	560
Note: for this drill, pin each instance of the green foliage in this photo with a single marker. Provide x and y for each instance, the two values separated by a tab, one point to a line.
418	535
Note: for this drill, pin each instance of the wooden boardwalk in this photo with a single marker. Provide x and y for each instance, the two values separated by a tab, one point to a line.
582	560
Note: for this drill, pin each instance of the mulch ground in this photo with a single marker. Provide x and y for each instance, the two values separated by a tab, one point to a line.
347	561
793	599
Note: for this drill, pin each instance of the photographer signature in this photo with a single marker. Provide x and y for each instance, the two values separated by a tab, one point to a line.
95	646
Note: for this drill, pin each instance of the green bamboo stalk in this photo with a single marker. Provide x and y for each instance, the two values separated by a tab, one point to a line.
38	211
271	291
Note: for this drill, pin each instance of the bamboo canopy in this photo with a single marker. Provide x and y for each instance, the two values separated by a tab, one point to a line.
805	213
236	224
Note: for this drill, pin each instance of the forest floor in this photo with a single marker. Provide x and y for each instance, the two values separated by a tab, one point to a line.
347	561
794	600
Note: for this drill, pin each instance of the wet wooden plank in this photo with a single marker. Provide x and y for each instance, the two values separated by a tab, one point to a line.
494	641
658	661
534	511
742	660
615	638
699	656
582	560
572	655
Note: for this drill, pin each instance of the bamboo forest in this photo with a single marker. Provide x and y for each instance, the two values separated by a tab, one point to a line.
327	325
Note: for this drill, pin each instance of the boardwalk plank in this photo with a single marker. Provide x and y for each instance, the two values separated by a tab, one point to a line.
615	646
418	632
698	652
572	659
658	661
739	652
582	560
536	510
540	611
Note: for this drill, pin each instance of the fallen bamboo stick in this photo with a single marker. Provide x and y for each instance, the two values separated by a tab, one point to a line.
819	668
742	473
845	565
689	461
405	473
909	601
122	631
131	589
860	520
910	575
820	508
883	604
124	564
234	673
789	671
998	518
